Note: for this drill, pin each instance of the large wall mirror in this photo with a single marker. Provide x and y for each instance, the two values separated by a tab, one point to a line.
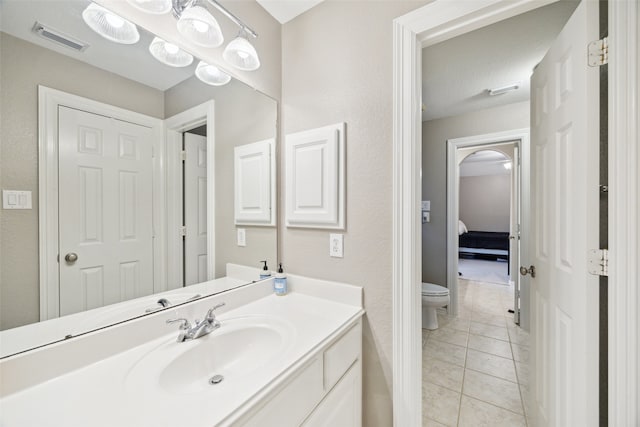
118	177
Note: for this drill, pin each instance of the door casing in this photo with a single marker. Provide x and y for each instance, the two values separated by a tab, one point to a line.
441	20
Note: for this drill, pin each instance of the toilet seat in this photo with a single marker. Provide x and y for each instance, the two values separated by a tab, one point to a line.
432	290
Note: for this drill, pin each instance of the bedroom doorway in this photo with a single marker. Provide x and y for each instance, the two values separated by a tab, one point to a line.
476	169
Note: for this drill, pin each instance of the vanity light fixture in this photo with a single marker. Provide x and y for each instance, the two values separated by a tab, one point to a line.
169	53
109	25
200	27
211	75
241	54
157	7
503	89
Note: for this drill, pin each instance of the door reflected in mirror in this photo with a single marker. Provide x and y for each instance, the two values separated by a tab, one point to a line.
130	167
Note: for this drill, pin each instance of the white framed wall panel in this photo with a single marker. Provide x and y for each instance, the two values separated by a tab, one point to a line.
254	183
315	178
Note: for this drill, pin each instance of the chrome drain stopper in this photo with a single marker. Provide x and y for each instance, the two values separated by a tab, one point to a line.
216	379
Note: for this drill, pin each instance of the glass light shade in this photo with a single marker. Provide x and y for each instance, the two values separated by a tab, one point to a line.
109	25
200	27
169	54
241	54
157	7
212	75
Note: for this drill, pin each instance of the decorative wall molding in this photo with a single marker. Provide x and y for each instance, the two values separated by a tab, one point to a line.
315	178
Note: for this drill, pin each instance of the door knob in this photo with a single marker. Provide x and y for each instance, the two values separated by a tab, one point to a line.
531	270
71	257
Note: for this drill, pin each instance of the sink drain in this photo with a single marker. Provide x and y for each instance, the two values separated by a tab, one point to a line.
216	379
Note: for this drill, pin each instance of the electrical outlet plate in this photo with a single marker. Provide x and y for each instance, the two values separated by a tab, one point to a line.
336	245
242	237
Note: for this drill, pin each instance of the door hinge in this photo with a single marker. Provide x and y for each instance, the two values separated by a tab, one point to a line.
599	262
183	155
182	231
598	52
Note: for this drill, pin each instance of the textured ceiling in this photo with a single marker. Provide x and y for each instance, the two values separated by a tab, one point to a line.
456	73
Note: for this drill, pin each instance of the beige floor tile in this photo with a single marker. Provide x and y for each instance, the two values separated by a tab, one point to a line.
520	353
518	335
440	404
523	372
490	345
444	351
489	319
474	413
449	335
442	373
428	422
496	332
490	364
457	323
496	391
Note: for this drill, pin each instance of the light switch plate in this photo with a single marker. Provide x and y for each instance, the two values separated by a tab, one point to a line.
426	205
336	245
242	237
12	199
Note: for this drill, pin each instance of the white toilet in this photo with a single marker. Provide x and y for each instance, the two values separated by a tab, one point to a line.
433	296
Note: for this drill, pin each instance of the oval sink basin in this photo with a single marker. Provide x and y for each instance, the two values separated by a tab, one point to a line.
236	350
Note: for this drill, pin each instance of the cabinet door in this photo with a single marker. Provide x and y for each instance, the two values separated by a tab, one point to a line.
342	407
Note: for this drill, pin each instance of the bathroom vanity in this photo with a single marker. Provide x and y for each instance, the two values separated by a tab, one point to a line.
293	360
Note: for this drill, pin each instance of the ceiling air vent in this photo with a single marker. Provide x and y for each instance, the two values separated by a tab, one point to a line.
59	38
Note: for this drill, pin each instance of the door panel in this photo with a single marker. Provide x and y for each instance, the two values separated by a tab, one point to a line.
195	208
565	151
105	204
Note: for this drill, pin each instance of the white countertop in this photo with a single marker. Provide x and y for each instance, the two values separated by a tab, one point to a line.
103	393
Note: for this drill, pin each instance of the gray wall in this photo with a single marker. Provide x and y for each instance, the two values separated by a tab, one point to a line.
435	134
485	202
337	67
23	67
242	116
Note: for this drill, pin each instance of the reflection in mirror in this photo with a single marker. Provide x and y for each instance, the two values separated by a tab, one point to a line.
129	166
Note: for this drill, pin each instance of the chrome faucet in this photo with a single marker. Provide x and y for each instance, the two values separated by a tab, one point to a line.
191	331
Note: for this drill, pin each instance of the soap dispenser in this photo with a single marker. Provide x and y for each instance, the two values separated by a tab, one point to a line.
280	283
265	273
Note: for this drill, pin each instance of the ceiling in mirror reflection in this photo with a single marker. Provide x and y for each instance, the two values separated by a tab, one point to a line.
133	62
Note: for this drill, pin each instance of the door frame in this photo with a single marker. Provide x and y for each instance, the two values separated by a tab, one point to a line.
438	21
203	114
518	136
48	219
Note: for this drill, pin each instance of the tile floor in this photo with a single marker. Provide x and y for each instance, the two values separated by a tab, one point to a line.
475	367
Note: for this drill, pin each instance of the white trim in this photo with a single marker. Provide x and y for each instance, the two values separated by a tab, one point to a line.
453	176
48	102
174	126
624	215
443	19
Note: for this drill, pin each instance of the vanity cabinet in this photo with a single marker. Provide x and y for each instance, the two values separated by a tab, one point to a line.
325	391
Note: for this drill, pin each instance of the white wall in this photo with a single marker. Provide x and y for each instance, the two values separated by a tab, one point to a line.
337	67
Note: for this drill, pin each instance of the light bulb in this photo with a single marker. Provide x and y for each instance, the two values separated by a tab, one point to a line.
200	26
242	54
171	48
113	20
169	53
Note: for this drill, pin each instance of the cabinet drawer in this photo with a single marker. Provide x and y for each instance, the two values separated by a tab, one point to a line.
290	405
341	355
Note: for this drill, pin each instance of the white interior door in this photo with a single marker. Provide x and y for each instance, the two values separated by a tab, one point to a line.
195	208
565	157
105	210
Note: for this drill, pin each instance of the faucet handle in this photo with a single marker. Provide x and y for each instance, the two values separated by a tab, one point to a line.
210	316
183	326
